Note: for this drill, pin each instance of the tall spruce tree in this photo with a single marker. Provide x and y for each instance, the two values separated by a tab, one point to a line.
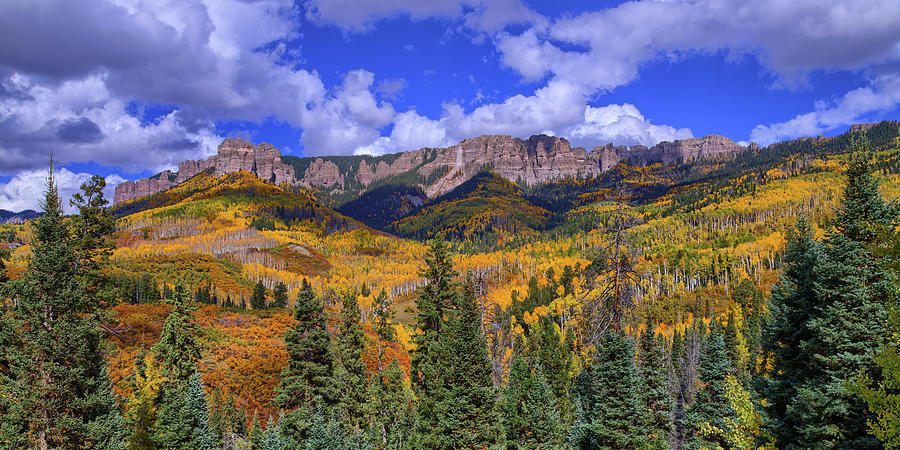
468	416
56	392
392	413
856	291
707	415
183	417
4	256
90	229
352	378
178	349
883	397
307	386
258	299
530	414
735	346
280	296
382	323
553	353
610	411
787	336
273	438
655	394
436	298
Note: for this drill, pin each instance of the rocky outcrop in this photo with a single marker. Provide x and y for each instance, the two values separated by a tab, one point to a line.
233	155
134	189
537	159
665	152
322	173
534	160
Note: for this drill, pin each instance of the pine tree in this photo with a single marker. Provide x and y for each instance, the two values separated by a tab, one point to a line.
382	322
4	256
435	299
610	411
707	415
883	397
856	291
469	411
183	417
178	349
258	299
549	350
787	337
677	351
735	346
307	386
656	397
90	229
392	415
530	415
56	385
256	432
280	296
272	438
352	378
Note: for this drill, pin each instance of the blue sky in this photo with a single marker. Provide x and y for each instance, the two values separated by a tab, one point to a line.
126	88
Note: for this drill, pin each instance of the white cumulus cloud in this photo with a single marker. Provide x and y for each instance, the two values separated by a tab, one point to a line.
26	190
882	95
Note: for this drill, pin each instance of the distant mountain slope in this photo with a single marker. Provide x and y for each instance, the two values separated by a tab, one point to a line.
242	191
538	159
383	205
17	217
486	203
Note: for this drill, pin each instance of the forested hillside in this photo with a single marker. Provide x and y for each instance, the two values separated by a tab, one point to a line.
742	301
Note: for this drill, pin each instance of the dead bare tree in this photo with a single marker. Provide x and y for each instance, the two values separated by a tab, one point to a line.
611	277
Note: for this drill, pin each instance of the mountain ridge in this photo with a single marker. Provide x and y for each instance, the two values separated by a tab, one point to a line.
536	160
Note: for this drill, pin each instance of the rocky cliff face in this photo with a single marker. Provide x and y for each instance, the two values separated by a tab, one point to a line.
665	152
233	155
534	160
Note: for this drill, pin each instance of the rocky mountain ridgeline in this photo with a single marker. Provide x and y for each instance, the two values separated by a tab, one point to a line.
537	159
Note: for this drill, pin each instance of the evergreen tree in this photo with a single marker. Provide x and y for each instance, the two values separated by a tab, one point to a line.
178	349
787	337
677	351
856	291
280	296
90	229
4	255
256	432
258	299
272	438
734	345
469	411
435	299
549	350
707	415
55	391
307	386
883	398
390	410
183	417
610	411
382	322
530	416
392	415
656	397
352	378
